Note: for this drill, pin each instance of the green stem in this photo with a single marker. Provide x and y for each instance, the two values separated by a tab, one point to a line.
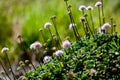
92	21
10	66
5	70
99	16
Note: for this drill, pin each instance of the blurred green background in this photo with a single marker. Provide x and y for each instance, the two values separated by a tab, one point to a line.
26	17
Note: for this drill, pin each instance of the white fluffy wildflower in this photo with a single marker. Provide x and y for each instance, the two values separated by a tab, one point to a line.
72	25
66	44
59	53
36	45
92	72
47	59
4	49
47	25
104	28
106	25
89	8
82	7
99	3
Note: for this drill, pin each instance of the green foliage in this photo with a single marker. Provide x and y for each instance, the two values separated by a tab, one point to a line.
100	53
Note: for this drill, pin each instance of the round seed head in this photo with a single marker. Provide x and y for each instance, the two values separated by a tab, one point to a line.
82	19
47	25
82	7
98	3
4	49
27	61
18	68
89	8
59	53
21	62
105	26
53	17
36	45
47	59
66	44
2	72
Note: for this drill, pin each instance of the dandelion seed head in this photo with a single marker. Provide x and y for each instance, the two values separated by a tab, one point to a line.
98	3
36	45
47	25
4	49
72	25
47	59
82	7
59	53
66	44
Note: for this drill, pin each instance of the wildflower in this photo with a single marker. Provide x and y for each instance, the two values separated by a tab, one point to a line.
66	44
47	25
106	25
92	72
72	25
59	52
36	45
4	49
82	7
104	28
98	3
89	8
47	59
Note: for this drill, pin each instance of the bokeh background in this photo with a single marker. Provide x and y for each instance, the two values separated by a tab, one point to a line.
26	17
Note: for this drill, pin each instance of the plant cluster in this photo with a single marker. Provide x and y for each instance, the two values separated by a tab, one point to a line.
94	56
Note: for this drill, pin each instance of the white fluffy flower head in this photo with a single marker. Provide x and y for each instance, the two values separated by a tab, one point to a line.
36	45
104	27
98	3
47	59
4	49
82	7
72	25
66	44
47	25
89	8
59	53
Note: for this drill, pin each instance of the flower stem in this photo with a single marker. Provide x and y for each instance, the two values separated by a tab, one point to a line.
10	66
111	25
103	11
50	33
72	21
42	35
87	24
99	16
5	70
92	21
57	34
84	28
